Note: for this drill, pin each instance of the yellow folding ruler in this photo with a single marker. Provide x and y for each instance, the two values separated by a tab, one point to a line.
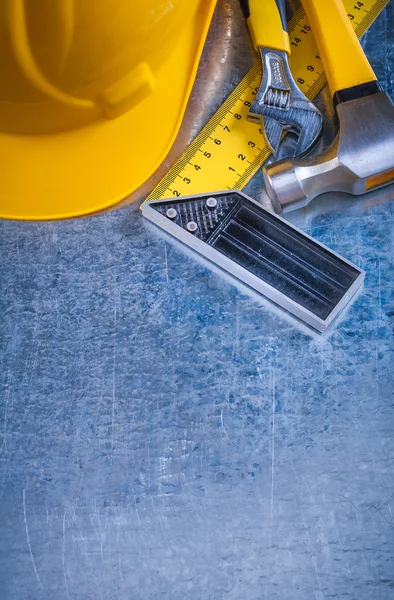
230	149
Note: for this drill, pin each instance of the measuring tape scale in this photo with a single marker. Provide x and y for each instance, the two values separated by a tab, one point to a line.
230	149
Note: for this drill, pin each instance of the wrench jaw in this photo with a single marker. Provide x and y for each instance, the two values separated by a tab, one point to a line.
308	131
280	105
272	131
274	90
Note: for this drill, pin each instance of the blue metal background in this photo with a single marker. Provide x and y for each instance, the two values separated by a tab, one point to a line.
165	434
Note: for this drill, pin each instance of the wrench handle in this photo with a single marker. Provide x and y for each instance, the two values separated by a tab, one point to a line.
267	23
346	67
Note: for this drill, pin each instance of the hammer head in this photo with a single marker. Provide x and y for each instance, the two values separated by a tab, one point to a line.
360	159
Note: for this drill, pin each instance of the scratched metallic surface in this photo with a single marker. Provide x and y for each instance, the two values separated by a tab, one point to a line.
165	434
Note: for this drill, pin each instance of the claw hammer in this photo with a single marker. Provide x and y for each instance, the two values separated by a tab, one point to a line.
361	158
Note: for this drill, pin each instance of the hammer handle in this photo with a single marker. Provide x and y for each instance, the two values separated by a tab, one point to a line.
344	61
267	23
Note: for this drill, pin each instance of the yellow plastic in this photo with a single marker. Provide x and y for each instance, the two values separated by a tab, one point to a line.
92	95
344	61
265	26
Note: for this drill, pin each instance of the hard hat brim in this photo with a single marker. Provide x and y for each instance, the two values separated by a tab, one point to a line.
84	170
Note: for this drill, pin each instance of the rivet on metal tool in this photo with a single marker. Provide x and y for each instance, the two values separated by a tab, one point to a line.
192	226
212	203
171	213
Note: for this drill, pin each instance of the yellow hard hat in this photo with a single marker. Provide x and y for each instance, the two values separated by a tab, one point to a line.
92	94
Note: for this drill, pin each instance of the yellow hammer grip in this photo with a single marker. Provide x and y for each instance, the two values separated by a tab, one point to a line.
344	61
267	25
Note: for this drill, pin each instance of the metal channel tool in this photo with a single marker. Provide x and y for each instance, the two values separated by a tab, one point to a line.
279	104
262	250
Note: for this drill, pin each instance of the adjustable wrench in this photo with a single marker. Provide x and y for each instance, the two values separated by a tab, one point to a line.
279	104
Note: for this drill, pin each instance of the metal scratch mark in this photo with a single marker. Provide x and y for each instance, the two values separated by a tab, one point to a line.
166	261
365	563
203	512
272	454
137	515
222	420
28	540
119	553
7	397
236	340
113	379
64	554
316	572
46	510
